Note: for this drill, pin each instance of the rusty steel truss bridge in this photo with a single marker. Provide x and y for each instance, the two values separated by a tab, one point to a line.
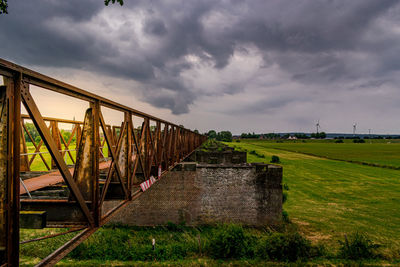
98	162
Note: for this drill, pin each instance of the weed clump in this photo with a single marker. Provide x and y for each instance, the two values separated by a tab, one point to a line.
285	247
253	152
275	159
229	241
358	246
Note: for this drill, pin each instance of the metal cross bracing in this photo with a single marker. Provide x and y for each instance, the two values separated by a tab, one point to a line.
106	162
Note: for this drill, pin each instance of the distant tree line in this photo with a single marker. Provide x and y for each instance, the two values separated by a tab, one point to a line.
321	135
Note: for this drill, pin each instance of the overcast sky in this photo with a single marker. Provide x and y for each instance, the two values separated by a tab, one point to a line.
239	65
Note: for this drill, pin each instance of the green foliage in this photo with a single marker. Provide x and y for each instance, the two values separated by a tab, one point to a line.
3	7
38	139
358	246
301	136
285	187
249	135
284	197
285	216
32	131
174	243
339	141
212	134
255	153
358	141
224	136
275	159
107	2
123	243
213	145
66	134
321	135
285	247
228	242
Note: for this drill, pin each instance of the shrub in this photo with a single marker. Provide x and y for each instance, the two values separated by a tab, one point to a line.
275	159
229	241
359	141
284	197
253	152
285	187
339	141
285	247
358	246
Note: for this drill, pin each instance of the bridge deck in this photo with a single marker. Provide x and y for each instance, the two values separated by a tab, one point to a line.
51	178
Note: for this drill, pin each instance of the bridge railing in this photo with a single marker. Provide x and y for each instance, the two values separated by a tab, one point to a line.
136	153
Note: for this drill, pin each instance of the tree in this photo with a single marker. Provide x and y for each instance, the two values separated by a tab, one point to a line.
3	7
32	131
225	136
107	2
196	131
212	134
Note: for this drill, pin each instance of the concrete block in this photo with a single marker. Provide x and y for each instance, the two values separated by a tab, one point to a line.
32	219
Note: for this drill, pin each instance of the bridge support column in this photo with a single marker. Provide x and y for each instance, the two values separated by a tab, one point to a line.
10	134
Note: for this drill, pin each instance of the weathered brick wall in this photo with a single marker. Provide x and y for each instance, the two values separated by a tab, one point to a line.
246	194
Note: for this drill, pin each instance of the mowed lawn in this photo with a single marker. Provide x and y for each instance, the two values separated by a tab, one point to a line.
328	198
382	152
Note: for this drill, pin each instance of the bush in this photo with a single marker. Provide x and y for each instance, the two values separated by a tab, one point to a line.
229	241
285	247
275	159
284	197
358	246
359	141
339	141
253	152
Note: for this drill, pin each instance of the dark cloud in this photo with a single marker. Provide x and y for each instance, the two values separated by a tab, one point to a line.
319	43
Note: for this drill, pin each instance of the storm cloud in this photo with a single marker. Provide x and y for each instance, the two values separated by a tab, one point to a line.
246	57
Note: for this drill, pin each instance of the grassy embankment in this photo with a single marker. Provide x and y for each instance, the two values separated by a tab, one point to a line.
329	198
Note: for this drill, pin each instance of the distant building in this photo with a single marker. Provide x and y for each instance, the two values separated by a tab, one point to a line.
292	138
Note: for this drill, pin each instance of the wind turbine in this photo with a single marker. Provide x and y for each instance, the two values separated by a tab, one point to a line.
318	126
354	129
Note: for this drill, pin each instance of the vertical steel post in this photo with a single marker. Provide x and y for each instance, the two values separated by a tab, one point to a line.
96	158
13	132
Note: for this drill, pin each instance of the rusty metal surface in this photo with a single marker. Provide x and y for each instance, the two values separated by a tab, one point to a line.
51	178
135	152
3	173
85	158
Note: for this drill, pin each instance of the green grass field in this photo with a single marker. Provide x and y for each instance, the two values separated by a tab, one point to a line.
330	198
381	152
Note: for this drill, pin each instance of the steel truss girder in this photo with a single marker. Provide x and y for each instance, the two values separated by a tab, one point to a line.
135	156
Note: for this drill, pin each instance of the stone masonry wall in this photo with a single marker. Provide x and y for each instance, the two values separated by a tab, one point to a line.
204	194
